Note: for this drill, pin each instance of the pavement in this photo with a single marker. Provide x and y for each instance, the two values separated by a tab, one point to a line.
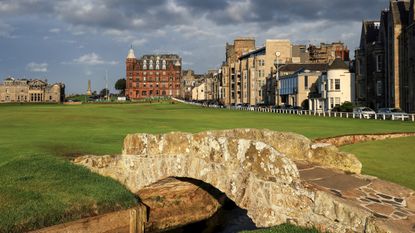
391	204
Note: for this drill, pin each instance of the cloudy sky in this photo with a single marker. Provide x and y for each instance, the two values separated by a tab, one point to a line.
72	41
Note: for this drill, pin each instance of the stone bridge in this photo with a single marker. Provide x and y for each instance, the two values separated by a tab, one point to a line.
274	176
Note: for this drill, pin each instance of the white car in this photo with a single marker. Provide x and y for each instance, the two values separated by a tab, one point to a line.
366	112
393	113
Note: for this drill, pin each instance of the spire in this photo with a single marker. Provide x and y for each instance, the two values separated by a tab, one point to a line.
131	53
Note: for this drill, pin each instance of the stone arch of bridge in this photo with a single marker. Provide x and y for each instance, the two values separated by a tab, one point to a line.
254	168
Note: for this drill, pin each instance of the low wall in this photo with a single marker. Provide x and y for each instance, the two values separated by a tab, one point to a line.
353	139
128	221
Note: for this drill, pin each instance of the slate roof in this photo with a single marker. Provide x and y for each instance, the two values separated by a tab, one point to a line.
311	67
338	64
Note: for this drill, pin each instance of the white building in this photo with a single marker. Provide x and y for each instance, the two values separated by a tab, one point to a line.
333	88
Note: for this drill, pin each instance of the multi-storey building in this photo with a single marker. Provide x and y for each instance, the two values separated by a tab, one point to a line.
247	68
332	88
295	88
385	60
153	76
231	77
370	69
188	82
327	53
31	91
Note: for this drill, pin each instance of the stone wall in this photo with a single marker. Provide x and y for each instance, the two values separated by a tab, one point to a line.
359	138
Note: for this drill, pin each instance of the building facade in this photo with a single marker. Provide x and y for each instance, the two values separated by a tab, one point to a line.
245	73
332	88
385	60
327	53
31	91
295	88
153	76
188	82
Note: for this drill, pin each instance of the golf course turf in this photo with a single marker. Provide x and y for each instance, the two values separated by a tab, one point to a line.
40	187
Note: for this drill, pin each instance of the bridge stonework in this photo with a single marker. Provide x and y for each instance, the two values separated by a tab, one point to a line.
254	168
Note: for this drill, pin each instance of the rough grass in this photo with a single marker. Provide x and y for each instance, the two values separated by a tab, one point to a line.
39	187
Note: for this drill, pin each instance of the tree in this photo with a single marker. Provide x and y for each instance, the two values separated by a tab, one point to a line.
120	85
104	92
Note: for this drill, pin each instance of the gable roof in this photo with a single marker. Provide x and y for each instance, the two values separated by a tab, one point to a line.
338	64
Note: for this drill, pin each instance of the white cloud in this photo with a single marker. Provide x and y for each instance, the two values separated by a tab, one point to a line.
37	67
55	30
93	59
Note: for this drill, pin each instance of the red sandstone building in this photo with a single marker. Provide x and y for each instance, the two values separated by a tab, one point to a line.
153	76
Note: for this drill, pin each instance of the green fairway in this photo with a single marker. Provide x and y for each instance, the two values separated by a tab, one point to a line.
40	187
392	160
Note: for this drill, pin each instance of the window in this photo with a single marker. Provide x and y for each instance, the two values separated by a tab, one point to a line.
306	82
144	93
331	84
331	103
337	103
379	88
379	63
337	84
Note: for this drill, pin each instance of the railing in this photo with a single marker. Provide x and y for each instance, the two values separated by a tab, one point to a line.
377	116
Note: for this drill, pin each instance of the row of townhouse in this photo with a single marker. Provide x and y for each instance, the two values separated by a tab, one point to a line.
385	59
280	73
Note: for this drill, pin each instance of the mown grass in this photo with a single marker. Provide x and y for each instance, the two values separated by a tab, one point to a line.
40	187
392	160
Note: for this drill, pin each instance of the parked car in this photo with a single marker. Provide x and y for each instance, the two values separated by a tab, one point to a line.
366	112
395	112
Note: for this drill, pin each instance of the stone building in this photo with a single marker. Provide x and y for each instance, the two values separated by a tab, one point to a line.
153	76
31	91
188	82
370	69
295	88
245	78
207	88
273	87
327	53
385	59
231	84
333	88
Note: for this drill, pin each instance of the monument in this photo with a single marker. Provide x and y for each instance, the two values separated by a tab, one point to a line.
89	92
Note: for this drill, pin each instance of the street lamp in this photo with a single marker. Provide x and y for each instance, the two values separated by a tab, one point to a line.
277	66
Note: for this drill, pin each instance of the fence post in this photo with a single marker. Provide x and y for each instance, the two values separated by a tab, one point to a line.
403	118
413	117
393	117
